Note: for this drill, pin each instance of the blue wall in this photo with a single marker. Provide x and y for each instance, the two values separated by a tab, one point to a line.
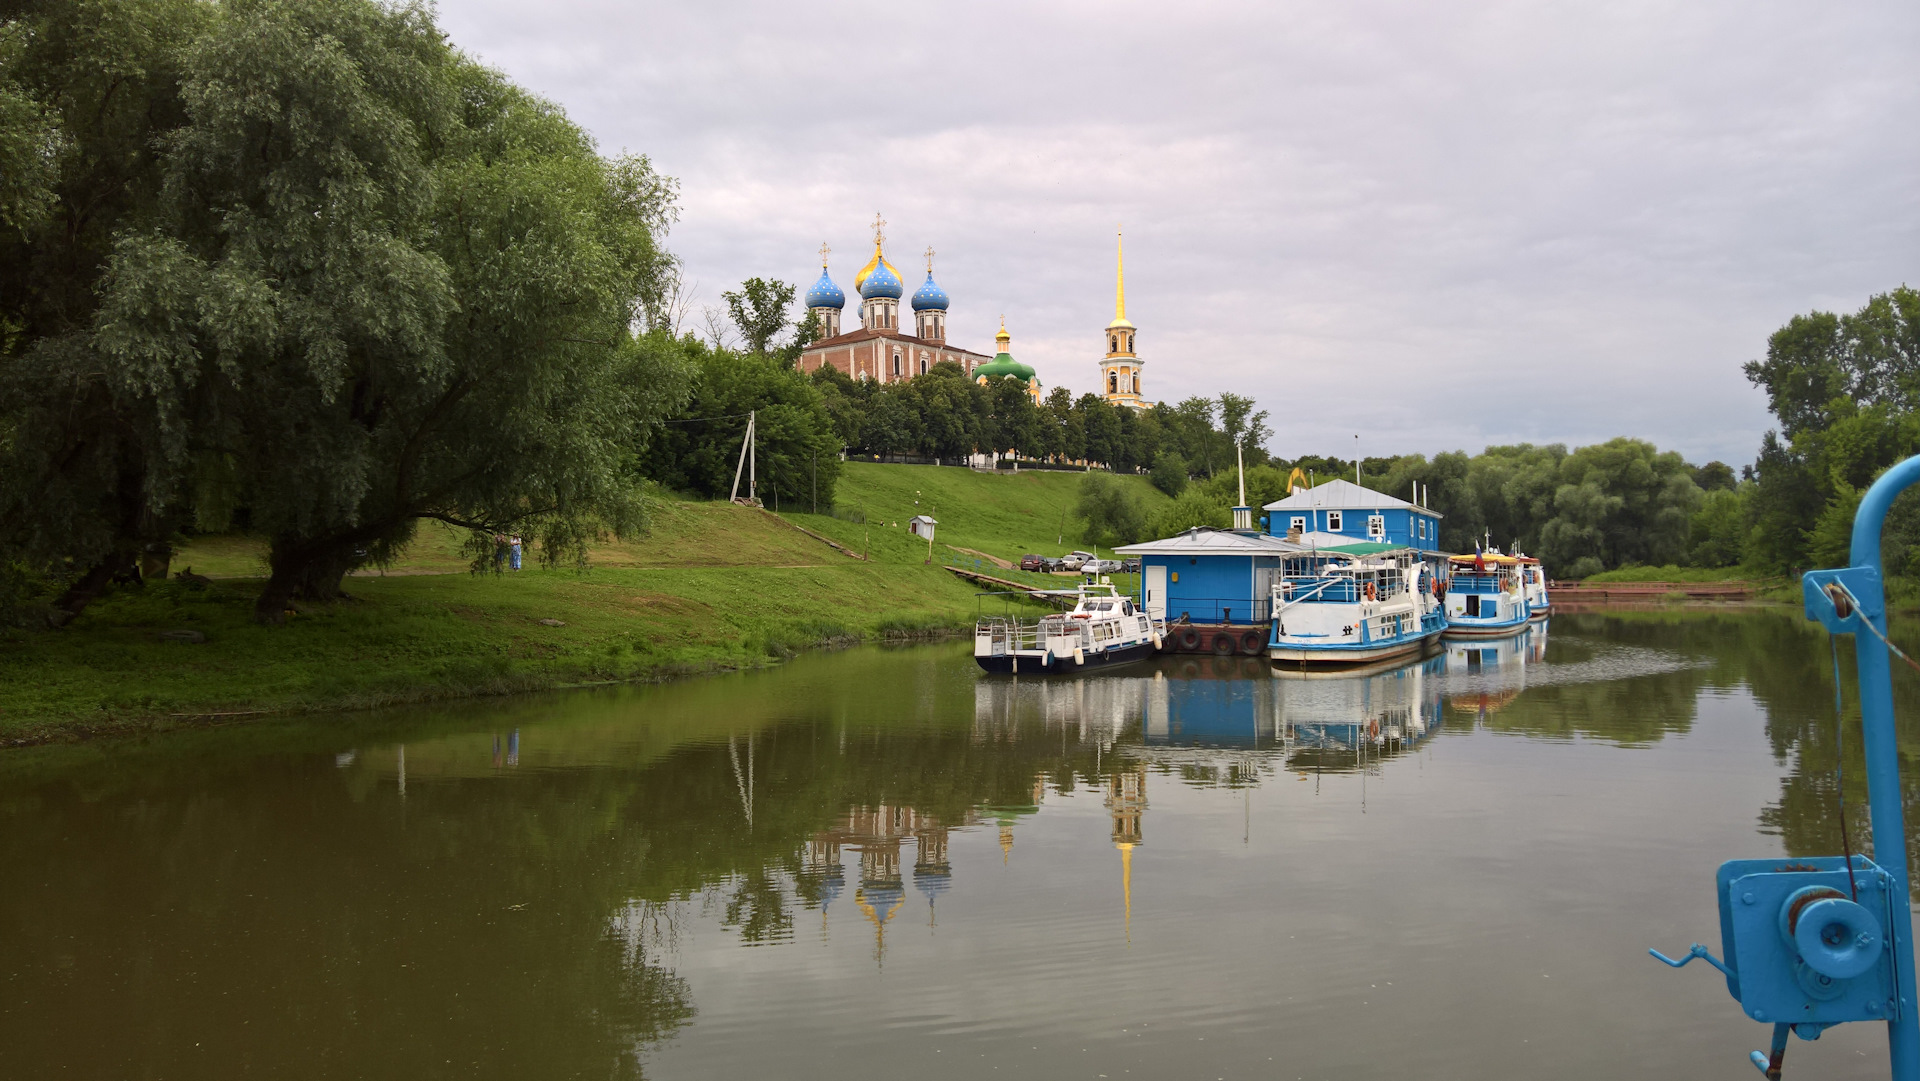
1207	586
1403	524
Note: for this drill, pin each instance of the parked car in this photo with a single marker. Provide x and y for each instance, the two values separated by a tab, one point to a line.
1053	564
1101	566
1075	559
1033	562
1130	566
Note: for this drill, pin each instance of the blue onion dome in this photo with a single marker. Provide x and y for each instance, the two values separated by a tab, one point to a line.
929	297
825	294
882	282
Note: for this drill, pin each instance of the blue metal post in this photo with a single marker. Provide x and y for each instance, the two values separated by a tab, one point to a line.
1883	764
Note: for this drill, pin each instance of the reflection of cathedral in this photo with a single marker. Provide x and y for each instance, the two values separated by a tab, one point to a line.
877	833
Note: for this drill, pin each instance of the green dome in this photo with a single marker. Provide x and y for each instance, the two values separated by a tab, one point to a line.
1004	364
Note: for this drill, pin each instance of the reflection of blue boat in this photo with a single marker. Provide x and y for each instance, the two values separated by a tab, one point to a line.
1353	604
1483	675
1486	597
1394	708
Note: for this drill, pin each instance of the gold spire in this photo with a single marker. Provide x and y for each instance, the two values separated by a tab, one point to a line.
1119	283
878	260
929	260
824	252
1126	883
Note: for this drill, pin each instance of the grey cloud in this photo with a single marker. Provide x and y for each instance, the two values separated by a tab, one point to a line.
1440	226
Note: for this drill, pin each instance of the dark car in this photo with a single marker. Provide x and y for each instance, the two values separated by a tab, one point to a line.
1130	566
1033	562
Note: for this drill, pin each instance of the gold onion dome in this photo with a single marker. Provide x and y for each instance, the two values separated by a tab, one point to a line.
878	278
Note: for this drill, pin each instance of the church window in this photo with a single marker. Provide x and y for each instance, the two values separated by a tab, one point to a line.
896	364
1113	383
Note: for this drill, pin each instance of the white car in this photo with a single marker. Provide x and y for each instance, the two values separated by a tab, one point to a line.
1074	561
1102	566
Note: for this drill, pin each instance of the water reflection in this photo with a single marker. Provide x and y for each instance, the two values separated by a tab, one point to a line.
539	887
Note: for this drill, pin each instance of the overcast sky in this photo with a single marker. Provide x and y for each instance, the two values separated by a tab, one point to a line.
1435	226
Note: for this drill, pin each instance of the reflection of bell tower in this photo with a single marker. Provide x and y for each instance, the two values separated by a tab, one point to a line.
821	864
1127	803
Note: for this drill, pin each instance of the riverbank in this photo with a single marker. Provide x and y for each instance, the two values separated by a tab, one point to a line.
711	588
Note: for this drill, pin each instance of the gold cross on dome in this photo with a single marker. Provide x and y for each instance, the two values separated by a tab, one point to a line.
824	252
929	259
879	227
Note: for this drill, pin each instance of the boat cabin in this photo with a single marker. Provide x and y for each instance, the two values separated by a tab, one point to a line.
1354	513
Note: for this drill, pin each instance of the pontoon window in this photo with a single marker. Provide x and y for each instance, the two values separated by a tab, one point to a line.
1333	521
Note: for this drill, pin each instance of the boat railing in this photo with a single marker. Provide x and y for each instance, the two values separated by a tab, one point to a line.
1335	590
1006	636
1219	609
1473	583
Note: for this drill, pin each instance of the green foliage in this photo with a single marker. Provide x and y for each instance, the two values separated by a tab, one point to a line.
1845	389
798	457
368	282
1196	507
759	309
1717	535
1170	472
1112	513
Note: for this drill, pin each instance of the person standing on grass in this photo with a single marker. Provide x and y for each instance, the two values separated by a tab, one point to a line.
499	552
513	557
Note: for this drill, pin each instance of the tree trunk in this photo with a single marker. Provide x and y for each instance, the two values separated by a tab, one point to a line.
303	571
90	587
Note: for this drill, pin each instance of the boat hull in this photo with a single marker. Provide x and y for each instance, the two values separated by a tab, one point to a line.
1008	664
1350	655
1487	630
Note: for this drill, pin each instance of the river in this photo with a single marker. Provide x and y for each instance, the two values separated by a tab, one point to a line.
881	863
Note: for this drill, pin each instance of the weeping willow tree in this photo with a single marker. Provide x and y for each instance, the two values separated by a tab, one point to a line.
377	284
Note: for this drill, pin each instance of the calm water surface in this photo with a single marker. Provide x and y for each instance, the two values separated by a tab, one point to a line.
880	863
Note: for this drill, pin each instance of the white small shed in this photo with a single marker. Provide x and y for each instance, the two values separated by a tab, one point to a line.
921	525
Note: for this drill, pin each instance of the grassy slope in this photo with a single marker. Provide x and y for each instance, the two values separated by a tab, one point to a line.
713	586
1004	514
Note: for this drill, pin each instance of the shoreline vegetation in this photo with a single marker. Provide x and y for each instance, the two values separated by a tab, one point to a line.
711	587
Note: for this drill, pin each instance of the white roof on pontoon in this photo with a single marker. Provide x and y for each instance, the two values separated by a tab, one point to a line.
1343	495
1201	541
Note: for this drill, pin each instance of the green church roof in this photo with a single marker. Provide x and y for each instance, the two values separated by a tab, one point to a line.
1004	364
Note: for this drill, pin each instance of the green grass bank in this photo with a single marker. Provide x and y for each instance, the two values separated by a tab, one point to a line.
710	587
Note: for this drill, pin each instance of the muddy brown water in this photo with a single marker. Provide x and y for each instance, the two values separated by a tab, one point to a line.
880	863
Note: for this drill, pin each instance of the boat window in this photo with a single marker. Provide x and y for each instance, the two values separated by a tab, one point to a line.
1333	521
1377	526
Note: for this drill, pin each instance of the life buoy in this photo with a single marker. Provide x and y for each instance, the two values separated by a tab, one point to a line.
1223	644
1251	642
1189	639
1370	591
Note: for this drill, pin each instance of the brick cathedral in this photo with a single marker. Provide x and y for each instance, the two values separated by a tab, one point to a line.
880	349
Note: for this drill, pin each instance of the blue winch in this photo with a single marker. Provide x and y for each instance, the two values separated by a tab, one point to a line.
1812	942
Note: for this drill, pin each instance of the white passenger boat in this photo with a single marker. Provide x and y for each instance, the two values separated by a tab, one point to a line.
1533	578
1486	596
1103	629
1357	604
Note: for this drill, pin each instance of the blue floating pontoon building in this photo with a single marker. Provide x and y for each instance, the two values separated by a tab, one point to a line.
1213	587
